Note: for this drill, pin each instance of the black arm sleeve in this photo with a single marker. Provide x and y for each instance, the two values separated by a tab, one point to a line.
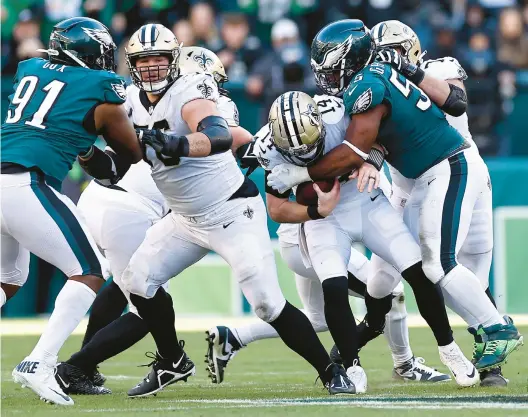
456	103
217	130
105	165
273	192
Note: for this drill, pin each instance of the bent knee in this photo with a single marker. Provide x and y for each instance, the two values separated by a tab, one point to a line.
268	310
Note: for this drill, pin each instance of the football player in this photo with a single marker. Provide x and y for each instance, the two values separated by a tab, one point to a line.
443	82
421	145
214	207
321	124
118	217
58	108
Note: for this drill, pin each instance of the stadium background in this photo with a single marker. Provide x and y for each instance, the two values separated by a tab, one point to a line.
264	45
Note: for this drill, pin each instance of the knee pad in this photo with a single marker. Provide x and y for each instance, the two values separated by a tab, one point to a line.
135	283
433	270
268	310
383	283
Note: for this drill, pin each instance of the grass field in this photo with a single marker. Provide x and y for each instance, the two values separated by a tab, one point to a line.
267	379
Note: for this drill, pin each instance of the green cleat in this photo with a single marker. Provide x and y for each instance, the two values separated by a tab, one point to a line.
478	344
499	341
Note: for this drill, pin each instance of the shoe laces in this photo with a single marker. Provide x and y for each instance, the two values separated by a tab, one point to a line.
354	370
419	363
491	347
156	357
456	356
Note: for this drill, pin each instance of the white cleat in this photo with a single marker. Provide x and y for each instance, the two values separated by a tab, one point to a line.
358	377
463	370
222	346
40	378
416	370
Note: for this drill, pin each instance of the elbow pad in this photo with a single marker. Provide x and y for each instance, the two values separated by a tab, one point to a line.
104	165
217	130
456	103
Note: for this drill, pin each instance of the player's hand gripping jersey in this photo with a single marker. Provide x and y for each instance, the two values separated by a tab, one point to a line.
415	133
50	115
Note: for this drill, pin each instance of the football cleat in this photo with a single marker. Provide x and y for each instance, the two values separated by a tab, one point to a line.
39	376
462	369
416	370
478	344
500	341
73	380
164	372
493	378
339	382
335	356
358	377
98	378
222	347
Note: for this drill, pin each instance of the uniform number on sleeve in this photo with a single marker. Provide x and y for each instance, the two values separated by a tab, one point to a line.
405	87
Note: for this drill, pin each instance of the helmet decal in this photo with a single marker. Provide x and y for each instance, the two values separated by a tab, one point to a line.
99	35
203	61
334	56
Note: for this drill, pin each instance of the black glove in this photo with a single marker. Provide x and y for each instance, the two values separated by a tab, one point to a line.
168	146
401	64
247	158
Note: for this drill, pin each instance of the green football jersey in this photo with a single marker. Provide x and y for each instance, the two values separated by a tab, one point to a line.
416	133
44	128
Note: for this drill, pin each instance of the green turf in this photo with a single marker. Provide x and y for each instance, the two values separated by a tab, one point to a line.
267	379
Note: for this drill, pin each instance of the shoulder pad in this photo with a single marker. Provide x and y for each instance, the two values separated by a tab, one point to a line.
446	68
114	86
228	110
193	87
332	108
364	94
265	150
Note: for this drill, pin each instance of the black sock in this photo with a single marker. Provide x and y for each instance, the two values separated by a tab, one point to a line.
377	309
107	306
430	303
356	285
490	296
115	338
298	334
340	319
158	313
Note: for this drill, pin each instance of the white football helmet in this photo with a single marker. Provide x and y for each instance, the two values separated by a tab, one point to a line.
395	33
153	40
196	59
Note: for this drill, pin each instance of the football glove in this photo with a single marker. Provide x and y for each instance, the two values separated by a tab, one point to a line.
248	160
168	146
401	64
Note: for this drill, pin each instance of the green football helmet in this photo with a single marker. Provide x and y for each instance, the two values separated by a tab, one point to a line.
82	42
340	50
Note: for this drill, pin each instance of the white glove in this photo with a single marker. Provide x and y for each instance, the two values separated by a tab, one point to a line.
284	177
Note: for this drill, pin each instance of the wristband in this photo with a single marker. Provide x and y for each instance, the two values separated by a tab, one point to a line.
376	158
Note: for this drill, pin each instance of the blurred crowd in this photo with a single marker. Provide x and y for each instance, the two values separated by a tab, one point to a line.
264	44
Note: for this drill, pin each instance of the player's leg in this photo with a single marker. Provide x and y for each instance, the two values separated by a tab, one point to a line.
15	266
169	248
449	192
246	246
47	224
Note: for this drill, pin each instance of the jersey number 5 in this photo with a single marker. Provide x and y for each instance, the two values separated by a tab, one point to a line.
24	93
405	87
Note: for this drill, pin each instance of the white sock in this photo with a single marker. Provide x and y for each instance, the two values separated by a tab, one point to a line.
470	319
397	333
71	305
3	297
464	288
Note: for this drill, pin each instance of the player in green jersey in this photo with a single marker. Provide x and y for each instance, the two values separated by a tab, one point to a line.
58	108
419	142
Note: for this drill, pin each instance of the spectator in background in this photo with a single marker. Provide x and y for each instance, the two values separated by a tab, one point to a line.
476	21
513	39
183	31
202	19
285	68
445	43
24	42
240	50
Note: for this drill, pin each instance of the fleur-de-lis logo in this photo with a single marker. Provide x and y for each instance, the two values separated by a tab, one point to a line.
313	115
249	212
203	61
206	90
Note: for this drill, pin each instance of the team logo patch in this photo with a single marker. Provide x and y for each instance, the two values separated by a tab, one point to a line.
206	90
120	90
99	35
203	61
249	212
236	116
313	115
363	102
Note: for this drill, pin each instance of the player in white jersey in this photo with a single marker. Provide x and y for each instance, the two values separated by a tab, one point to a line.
214	207
443	82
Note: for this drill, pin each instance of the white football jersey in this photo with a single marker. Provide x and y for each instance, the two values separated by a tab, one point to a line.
194	186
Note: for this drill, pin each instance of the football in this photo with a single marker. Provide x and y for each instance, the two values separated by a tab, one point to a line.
306	195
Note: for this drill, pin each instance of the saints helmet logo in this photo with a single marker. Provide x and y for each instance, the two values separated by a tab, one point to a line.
206	90
99	35
333	57
203	61
312	114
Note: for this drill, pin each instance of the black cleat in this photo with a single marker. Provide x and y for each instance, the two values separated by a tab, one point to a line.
73	380
98	378
493	378
164	372
335	356
340	383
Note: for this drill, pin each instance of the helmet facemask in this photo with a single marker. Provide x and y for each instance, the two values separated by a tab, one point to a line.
154	78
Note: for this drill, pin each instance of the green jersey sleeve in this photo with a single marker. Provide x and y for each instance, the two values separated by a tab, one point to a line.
114	88
363	95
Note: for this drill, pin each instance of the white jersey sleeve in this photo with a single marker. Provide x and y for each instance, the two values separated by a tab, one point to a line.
446	68
335	119
228	110
265	150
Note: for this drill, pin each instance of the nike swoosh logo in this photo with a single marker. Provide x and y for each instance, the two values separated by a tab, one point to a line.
351	91
62	381
228	224
429	182
65	397
225	343
374	198
472	373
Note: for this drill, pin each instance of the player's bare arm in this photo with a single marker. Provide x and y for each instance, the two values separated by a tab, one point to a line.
360	137
240	136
